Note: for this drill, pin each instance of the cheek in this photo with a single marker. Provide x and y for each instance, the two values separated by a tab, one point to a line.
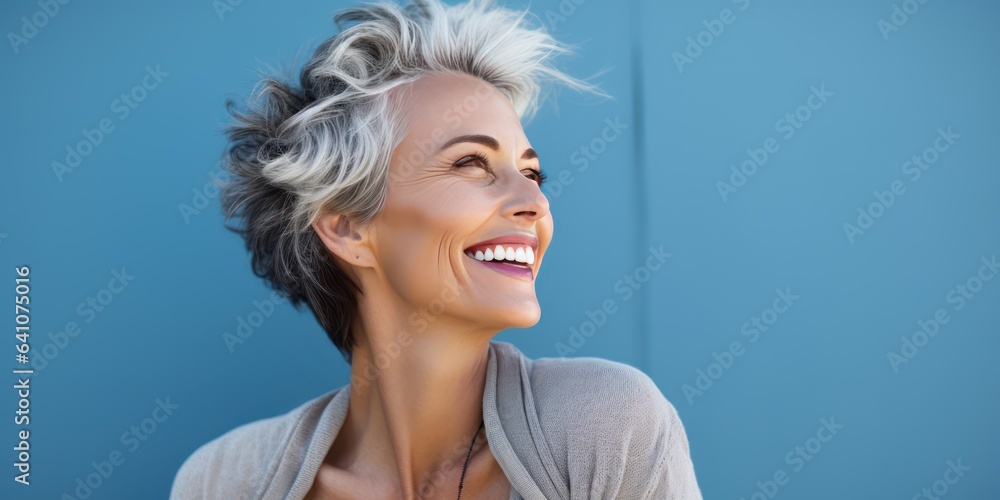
420	238
428	213
423	222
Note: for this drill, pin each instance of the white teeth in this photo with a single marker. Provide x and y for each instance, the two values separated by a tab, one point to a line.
520	256
524	255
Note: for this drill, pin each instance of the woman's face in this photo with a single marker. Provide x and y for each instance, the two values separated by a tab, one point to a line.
465	225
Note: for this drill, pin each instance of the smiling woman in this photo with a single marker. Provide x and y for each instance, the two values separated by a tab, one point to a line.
393	180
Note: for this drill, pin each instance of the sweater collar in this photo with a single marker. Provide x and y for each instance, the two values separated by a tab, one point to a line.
509	417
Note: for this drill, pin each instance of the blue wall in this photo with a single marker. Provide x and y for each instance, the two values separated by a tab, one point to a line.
769	322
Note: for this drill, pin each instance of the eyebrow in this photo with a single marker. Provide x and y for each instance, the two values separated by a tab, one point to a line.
489	142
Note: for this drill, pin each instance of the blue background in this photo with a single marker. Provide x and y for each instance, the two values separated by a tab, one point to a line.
653	183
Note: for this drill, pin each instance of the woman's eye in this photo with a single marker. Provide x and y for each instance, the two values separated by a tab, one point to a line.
535	175
473	161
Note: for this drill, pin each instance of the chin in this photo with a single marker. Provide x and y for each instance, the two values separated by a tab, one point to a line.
525	316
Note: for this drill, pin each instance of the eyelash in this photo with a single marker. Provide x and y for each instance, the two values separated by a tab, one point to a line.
540	176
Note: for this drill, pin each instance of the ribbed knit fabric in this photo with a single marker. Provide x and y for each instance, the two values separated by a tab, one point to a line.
560	428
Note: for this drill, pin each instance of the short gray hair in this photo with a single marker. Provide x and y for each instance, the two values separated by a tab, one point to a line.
325	143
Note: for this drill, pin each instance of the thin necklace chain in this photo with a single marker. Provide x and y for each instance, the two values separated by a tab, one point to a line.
467	456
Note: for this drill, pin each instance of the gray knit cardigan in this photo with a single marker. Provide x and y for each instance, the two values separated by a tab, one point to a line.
560	428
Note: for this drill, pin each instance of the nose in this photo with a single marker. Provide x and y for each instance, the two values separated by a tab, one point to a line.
525	200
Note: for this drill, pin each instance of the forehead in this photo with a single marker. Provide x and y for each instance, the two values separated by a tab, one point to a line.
444	105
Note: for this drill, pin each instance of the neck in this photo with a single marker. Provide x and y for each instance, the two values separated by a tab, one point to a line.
416	397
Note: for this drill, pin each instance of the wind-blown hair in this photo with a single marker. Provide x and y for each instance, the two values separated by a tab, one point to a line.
325	142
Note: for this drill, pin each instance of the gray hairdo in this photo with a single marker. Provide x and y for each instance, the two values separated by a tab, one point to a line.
325	143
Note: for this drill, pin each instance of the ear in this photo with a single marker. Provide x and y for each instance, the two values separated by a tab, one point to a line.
345	239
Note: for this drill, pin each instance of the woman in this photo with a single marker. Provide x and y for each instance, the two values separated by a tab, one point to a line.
395	193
